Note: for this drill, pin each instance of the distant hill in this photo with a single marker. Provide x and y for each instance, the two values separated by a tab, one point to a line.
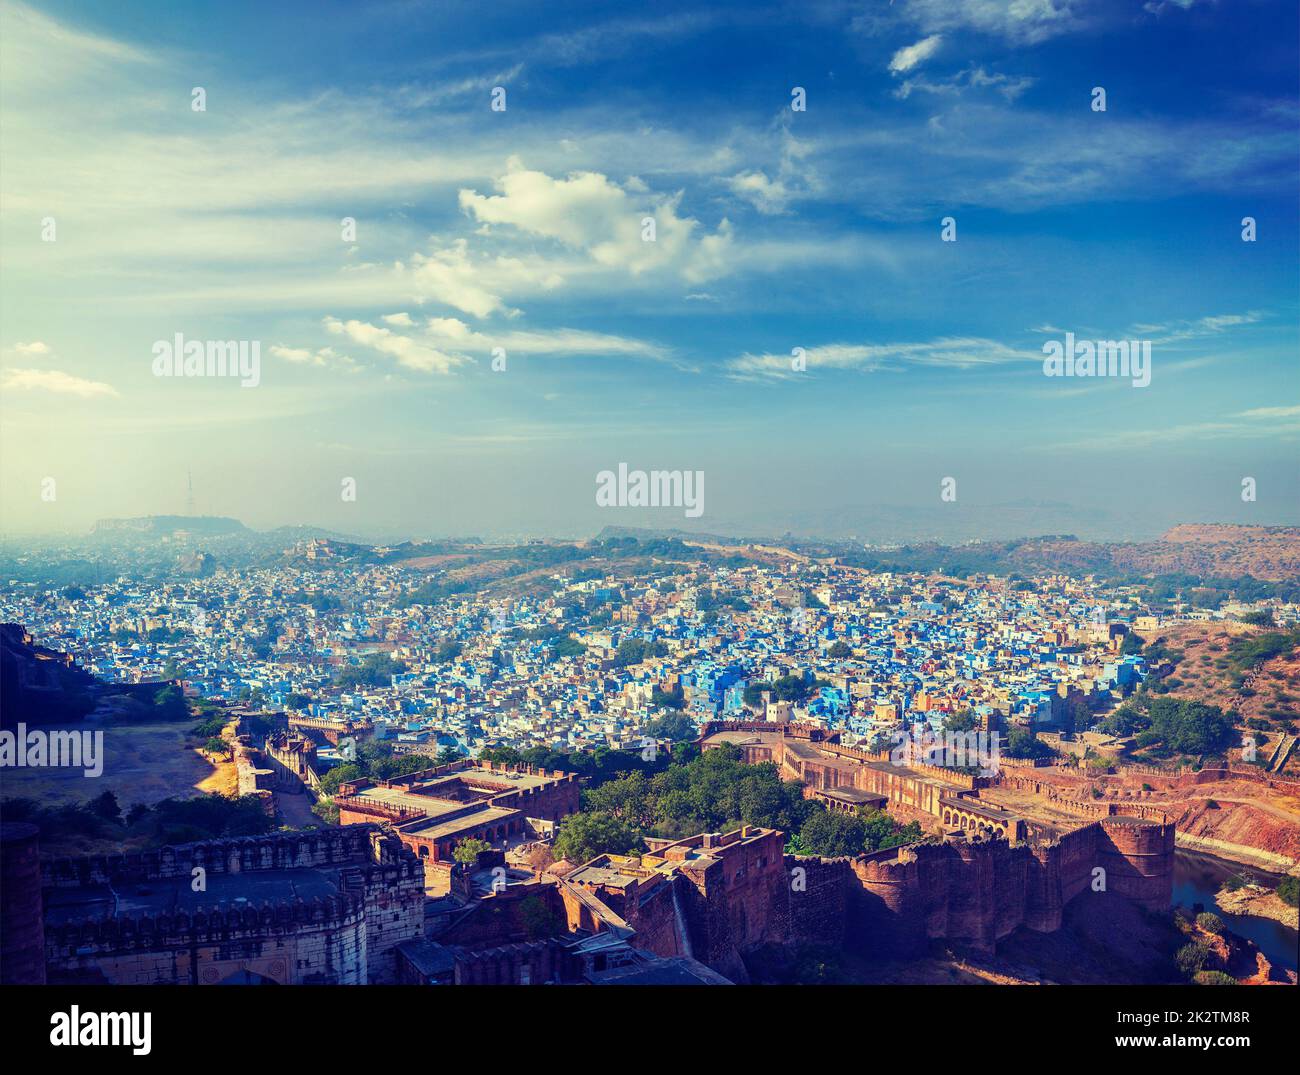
152	525
1266	552
947	523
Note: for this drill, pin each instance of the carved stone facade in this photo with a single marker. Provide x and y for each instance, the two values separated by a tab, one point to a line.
327	907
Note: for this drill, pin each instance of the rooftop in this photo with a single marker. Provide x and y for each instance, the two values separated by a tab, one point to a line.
172	895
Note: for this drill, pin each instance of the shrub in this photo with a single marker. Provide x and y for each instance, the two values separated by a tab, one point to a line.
1288	891
1191	958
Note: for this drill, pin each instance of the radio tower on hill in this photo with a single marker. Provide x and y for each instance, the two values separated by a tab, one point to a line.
189	492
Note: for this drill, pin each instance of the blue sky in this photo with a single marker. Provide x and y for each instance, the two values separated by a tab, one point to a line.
775	229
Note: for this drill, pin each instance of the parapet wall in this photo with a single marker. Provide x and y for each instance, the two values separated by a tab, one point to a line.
976	892
347	937
323	940
280	851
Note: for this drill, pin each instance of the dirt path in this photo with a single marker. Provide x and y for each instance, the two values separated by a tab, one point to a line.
295	811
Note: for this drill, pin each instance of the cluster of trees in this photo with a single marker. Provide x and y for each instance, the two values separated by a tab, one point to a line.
707	601
827	833
676	727
1211	591
673	699
635	650
1288	891
167	704
170	704
1164	725
596	767
431	593
1245	654
789	688
715	792
375	670
447	650
1024	743
566	646
171	821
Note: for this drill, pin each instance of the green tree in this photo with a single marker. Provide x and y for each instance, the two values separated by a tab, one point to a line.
468	851
1192	958
962	721
583	836
105	805
677	727
1288	891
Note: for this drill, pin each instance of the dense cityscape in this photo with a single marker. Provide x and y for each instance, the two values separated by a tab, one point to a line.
596	660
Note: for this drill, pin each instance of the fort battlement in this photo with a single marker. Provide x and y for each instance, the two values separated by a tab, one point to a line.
140	920
812	733
939	772
280	851
974	890
223	923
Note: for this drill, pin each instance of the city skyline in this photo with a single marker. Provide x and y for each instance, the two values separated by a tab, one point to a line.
523	230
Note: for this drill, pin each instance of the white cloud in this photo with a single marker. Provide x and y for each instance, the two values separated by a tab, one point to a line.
907	58
1270	412
35	349
947	353
1016	21
400	320
64	384
591	213
452	333
476	284
766	195
409	353
322	356
972	78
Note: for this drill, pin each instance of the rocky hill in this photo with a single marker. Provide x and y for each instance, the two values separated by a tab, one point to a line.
1264	552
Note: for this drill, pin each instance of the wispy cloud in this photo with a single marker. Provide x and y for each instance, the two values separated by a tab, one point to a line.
909	57
56	381
945	353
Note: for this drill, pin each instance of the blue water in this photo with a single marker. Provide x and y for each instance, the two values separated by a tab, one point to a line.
1197	878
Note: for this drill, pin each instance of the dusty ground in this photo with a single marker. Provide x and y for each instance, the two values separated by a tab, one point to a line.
143	763
295	811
